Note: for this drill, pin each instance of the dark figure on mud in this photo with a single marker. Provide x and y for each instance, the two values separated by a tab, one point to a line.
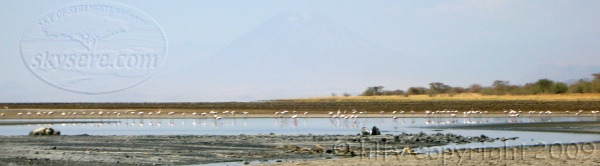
375	131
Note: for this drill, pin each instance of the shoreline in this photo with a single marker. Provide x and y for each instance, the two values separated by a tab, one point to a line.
96	150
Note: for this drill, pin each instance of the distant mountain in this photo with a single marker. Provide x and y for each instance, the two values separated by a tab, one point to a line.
303	54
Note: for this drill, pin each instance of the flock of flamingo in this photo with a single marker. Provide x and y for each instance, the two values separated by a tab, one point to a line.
116	114
339	118
353	114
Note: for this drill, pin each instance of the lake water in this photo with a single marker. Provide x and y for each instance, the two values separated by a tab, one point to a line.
316	126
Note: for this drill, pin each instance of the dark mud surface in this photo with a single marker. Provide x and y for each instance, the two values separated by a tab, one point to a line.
186	150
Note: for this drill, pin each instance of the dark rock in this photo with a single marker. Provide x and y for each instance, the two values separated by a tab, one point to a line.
484	137
375	131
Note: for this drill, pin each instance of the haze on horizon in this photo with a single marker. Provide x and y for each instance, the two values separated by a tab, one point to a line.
257	50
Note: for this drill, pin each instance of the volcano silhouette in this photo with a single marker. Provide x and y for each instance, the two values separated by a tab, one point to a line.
303	53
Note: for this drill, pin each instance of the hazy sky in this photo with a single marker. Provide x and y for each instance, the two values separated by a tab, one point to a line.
239	50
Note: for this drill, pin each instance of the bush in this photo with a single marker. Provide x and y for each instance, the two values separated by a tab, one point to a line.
560	87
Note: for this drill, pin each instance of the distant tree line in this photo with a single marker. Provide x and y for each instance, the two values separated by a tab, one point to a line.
498	87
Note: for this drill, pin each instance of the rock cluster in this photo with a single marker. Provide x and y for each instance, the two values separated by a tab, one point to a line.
44	131
440	138
374	131
353	145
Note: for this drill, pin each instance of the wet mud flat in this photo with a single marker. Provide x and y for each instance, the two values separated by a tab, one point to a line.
544	155
202	149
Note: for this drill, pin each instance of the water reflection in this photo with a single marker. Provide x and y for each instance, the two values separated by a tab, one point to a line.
282	125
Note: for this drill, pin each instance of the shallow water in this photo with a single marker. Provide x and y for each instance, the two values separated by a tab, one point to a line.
236	126
317	126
